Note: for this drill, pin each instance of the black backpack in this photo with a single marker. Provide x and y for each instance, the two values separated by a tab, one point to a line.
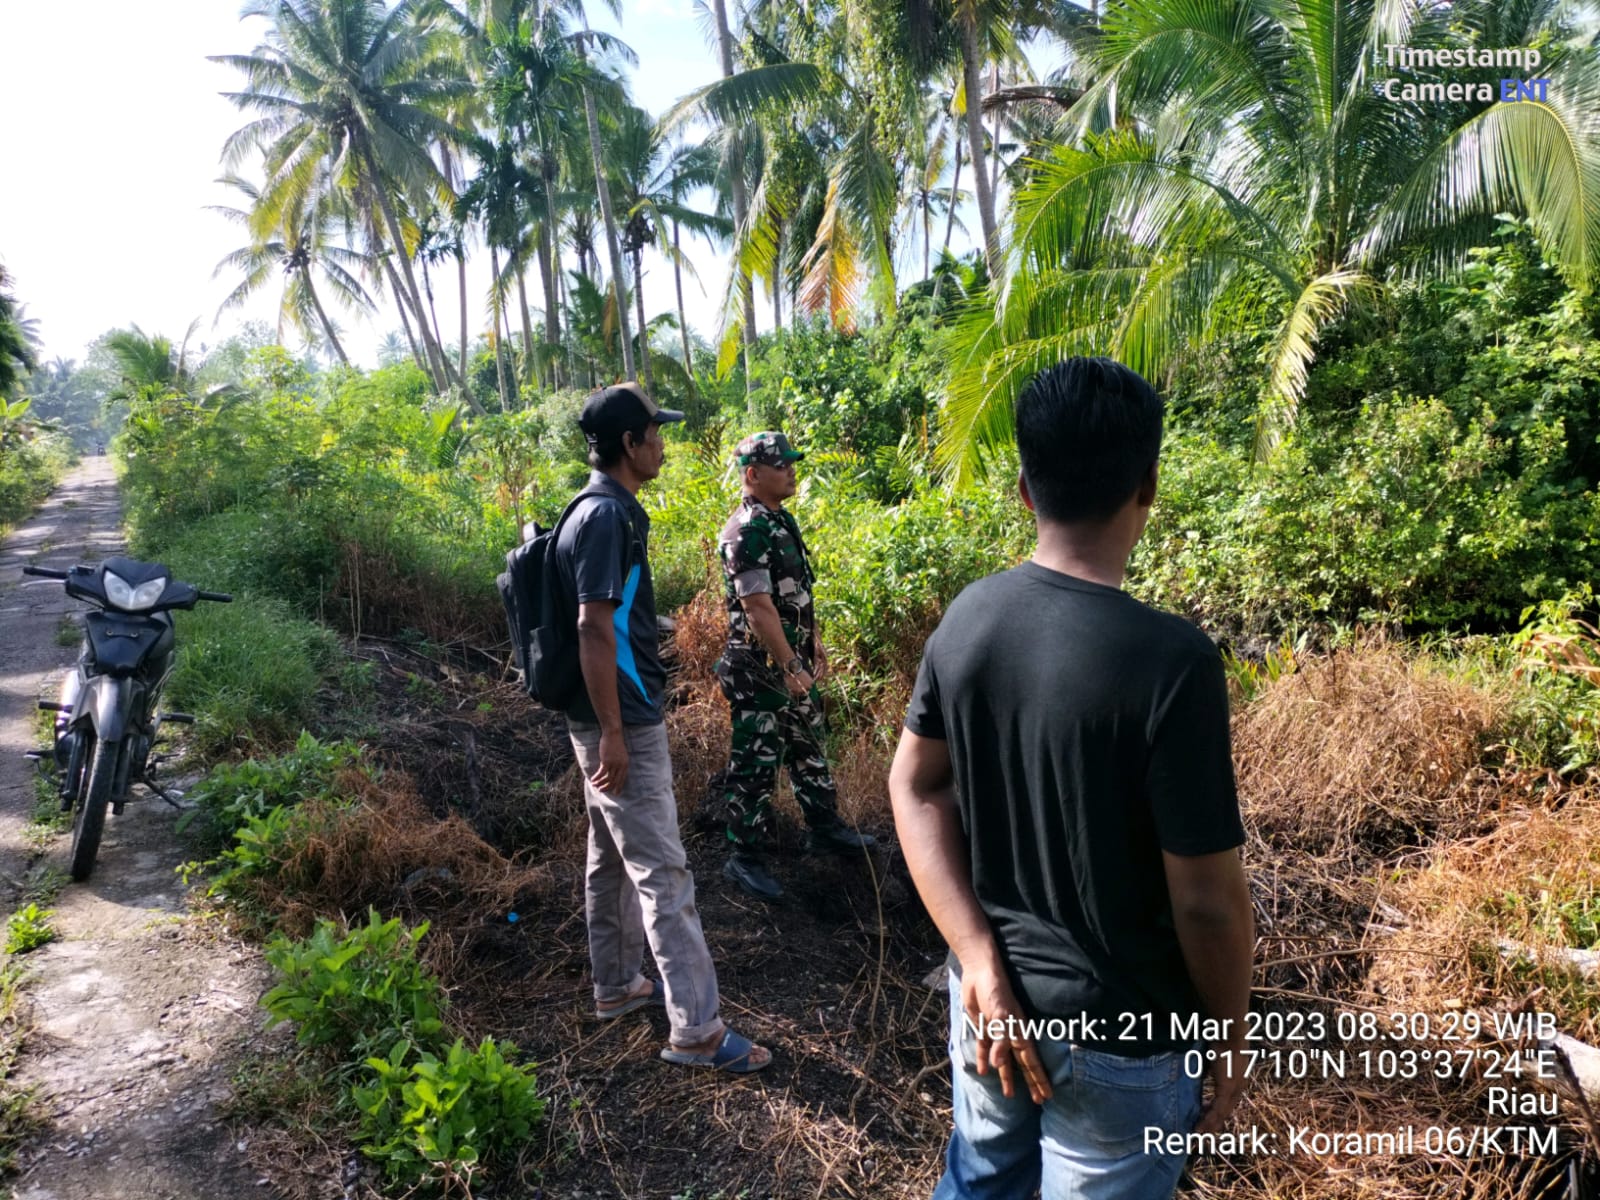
542	617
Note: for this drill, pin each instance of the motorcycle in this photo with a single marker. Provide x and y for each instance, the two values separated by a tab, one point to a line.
107	717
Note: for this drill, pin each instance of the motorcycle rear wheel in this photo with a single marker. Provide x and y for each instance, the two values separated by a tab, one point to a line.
90	822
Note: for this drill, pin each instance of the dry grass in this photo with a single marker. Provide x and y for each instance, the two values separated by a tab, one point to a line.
697	727
388	852
1361	777
375	595
1510	884
1365	753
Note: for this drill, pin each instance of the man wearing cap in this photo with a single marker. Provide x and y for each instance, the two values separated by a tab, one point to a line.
637	885
770	668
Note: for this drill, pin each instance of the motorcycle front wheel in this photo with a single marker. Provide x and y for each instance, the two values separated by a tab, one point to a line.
92	803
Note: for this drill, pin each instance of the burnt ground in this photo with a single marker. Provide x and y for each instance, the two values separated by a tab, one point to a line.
833	978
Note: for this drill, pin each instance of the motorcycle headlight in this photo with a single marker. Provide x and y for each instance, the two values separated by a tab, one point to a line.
132	599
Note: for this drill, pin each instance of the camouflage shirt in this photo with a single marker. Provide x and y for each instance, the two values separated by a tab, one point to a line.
762	551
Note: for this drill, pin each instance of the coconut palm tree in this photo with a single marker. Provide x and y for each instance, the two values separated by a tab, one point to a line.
584	42
688	168
824	152
499	198
304	242
350	92
734	145
1236	165
651	180
149	368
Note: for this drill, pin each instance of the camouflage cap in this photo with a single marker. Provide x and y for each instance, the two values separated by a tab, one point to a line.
768	449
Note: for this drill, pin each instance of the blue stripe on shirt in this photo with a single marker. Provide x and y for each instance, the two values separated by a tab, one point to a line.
619	621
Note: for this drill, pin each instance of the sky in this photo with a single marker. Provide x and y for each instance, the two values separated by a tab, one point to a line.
111	147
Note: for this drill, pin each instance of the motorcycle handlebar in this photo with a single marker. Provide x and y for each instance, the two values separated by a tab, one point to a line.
48	573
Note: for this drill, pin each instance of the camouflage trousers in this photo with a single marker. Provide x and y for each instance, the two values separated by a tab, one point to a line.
772	728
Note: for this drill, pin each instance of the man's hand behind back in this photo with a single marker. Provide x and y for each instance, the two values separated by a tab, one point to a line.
986	996
1227	1081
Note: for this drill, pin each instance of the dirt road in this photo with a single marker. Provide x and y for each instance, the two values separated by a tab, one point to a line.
139	1016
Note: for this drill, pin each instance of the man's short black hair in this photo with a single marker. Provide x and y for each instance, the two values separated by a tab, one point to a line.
1088	432
606	451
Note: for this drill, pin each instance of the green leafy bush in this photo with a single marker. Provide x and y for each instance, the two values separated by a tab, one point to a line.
29	928
31	463
431	1120
355	991
1556	659
885	574
234	794
847	393
271	848
1413	514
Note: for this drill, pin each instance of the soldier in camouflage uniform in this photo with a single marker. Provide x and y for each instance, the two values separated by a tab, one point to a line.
770	667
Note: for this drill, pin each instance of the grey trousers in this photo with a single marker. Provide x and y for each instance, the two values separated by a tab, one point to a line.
638	888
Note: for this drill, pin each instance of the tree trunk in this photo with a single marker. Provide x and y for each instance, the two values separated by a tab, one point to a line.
613	250
777	284
398	244
741	206
550	242
400	306
461	283
683	321
994	141
644	337
548	287
327	326
433	313
527	321
569	351
949	220
927	232
972	84
495	305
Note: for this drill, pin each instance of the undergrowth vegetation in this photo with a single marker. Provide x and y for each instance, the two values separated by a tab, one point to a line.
430	1111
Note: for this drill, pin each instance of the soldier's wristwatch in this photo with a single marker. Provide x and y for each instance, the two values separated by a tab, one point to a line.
794	666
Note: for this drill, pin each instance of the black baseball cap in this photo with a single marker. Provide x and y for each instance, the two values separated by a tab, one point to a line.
615	410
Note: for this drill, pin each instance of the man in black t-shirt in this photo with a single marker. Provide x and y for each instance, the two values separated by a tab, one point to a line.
1064	795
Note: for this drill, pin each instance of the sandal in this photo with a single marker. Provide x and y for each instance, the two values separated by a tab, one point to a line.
656	996
733	1055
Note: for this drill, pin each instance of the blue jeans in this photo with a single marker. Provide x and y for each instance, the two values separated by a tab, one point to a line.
1085	1143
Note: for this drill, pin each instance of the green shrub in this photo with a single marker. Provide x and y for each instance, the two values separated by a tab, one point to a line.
274	853
355	992
431	1120
688	504
846	393
1556	659
29	928
284	551
234	795
1412	515
29	470
248	671
885	575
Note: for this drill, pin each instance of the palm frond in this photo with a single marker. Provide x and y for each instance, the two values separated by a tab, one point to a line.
1294	347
